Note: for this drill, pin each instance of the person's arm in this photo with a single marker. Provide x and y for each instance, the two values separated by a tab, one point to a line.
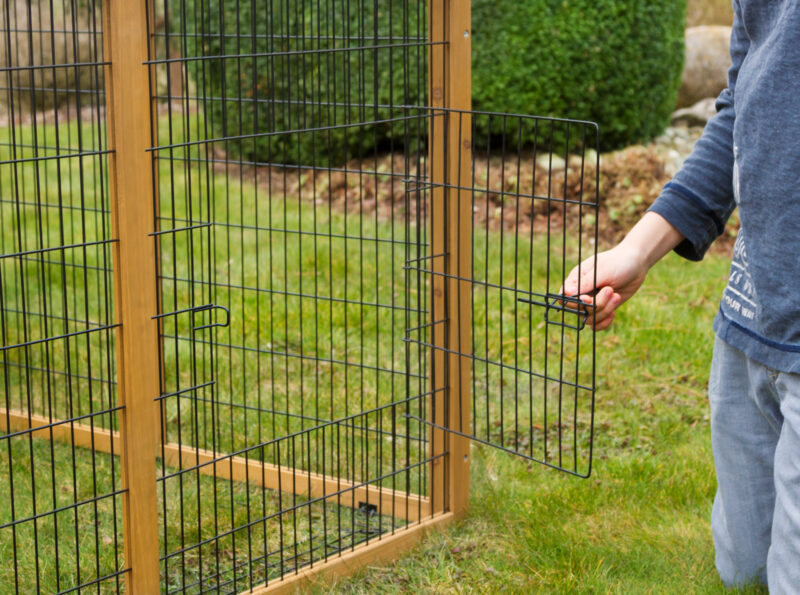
622	270
688	215
700	198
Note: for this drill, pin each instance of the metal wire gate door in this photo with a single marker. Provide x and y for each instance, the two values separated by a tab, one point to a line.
509	214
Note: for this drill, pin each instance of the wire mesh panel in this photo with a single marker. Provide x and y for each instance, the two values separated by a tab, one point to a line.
284	136
530	199
60	490
302	213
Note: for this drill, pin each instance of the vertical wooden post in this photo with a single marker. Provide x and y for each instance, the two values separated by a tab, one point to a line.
450	81
126	38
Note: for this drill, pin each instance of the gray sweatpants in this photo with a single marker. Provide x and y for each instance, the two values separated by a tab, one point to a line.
755	434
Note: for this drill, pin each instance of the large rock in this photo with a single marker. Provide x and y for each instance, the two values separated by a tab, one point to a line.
705	71
697	115
33	44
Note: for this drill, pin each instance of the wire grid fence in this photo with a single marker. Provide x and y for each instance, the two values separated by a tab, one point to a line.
60	498
283	297
292	146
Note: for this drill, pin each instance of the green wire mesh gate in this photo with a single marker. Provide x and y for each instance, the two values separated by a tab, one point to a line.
263	279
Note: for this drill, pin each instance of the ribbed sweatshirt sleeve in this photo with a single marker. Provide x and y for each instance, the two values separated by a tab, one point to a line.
699	199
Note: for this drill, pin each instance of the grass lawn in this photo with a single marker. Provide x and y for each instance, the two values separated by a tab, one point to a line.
640	523
312	337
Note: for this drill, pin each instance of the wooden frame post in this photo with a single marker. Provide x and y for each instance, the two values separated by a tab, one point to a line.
126	38
450	88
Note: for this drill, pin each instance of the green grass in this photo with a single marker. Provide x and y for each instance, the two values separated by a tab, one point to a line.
640	523
286	355
86	534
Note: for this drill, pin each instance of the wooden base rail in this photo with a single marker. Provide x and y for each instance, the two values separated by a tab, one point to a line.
389	502
385	549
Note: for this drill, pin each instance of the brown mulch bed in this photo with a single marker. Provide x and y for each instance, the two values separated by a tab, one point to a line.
630	180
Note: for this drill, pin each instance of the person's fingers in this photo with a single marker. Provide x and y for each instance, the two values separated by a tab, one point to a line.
597	301
600	308
605	323
580	279
570	286
606	301
605	304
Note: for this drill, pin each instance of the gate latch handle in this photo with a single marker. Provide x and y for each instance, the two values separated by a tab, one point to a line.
202	308
564	303
214	324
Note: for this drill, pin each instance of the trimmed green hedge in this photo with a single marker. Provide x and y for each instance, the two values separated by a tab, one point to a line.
616	62
306	65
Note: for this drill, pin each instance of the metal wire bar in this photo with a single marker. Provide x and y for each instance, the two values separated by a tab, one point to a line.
98	582
299	356
296	53
55	248
401	175
60	502
54	424
66	508
235	226
317	420
300	131
29	68
62	373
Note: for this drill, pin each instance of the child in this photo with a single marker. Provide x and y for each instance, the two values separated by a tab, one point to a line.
748	156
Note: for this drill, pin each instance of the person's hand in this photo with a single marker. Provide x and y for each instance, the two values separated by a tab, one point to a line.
621	270
620	273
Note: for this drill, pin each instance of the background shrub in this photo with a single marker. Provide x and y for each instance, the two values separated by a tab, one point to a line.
298	72
616	62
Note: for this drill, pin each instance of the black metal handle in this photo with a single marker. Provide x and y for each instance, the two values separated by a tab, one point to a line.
202	308
215	324
561	303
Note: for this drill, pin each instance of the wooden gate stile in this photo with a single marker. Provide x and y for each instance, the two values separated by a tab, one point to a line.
451	250
132	184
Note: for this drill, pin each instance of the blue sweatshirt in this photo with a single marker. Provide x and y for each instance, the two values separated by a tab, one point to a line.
749	156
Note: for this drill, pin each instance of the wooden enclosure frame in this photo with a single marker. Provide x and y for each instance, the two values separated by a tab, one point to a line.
127	35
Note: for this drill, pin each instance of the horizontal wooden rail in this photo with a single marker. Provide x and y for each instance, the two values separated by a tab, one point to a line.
377	550
389	502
